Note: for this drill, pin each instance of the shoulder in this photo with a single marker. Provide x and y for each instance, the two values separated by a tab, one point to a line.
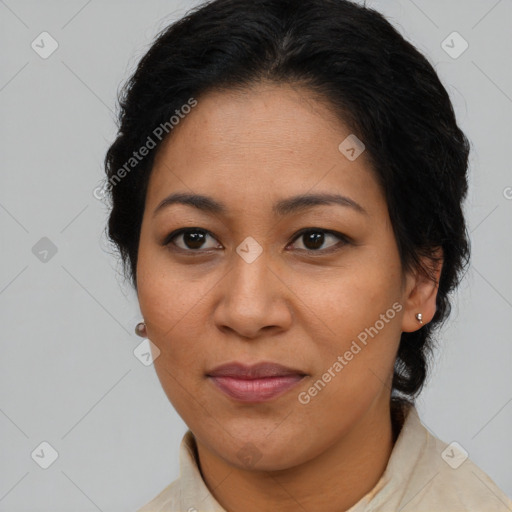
168	500
443	477
188	493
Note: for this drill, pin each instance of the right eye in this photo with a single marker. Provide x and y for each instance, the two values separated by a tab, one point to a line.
192	239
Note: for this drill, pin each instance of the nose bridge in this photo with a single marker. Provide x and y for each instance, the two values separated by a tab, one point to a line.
250	298
250	276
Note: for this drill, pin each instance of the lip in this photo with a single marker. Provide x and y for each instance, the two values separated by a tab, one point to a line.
254	383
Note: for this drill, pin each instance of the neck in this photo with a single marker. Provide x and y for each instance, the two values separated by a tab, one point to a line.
332	482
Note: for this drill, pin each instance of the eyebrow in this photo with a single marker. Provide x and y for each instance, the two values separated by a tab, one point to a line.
281	208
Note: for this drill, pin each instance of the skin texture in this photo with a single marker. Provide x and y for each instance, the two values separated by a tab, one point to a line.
248	150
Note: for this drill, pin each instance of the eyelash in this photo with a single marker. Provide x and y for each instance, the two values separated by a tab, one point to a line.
344	240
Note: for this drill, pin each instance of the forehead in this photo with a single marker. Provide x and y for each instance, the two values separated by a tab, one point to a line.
277	118
269	141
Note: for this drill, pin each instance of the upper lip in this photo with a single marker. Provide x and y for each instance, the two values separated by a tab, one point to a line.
254	371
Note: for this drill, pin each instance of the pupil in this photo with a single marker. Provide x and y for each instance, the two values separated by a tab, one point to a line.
317	240
194	240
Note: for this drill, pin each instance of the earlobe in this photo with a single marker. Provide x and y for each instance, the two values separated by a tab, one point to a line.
421	294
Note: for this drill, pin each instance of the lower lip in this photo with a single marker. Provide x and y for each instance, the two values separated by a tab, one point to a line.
256	390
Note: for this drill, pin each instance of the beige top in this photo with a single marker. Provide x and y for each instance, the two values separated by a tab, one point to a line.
423	474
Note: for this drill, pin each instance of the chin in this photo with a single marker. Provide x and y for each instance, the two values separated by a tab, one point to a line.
256	448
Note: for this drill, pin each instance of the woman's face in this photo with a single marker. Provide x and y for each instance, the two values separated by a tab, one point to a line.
241	287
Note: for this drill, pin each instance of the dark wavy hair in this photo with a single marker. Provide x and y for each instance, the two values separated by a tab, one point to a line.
379	85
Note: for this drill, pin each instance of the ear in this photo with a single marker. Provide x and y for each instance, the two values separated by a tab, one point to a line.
420	293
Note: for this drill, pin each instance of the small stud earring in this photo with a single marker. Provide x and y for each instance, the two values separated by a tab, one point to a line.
140	329
419	317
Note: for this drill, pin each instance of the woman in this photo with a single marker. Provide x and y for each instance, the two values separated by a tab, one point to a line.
287	187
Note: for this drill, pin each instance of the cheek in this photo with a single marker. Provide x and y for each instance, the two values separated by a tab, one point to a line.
174	310
354	357
174	316
349	300
166	292
172	305
359	311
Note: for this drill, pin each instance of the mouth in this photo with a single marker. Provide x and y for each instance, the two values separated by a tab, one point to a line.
255	383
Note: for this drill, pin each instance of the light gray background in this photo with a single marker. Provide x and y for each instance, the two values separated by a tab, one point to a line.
68	373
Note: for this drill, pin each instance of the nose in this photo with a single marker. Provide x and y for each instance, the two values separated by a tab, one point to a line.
253	301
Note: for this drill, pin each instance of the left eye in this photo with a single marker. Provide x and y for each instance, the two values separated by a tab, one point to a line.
315	238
